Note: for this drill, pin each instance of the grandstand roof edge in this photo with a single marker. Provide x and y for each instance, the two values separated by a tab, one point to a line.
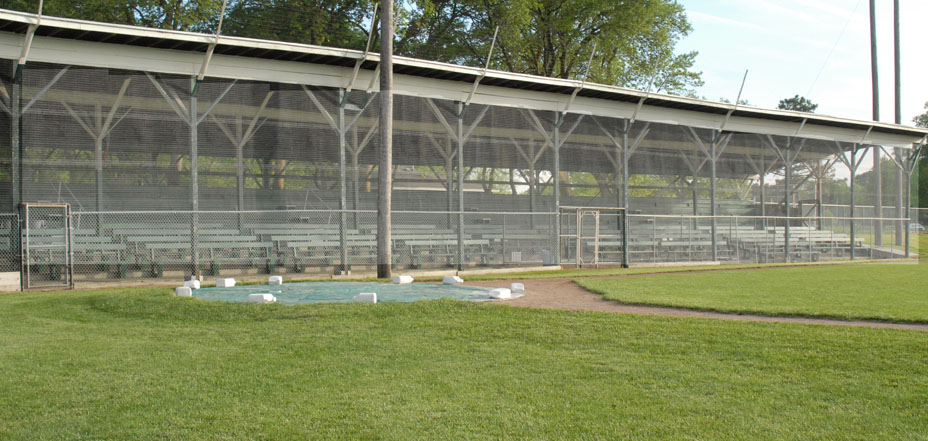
17	22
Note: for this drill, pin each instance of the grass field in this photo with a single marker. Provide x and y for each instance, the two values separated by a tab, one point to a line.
636	270
141	365
875	291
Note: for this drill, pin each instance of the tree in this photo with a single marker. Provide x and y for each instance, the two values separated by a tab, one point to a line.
922	120
741	102
634	40
921	186
798	104
337	23
178	15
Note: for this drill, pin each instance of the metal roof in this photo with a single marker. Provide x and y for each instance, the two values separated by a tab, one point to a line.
70	29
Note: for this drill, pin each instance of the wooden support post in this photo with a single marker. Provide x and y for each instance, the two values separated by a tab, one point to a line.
385	172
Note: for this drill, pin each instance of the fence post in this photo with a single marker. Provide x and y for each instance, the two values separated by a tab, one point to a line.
626	259
194	185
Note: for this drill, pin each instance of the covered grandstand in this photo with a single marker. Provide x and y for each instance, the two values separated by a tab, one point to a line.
180	153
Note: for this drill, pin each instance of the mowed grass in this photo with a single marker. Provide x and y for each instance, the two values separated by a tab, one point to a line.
143	365
896	292
634	270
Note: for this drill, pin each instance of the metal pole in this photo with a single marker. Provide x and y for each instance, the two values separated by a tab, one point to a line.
853	172
874	73
819	188
385	172
16	163
449	185
98	166
194	185
878	196
898	119
557	191
626	259
355	179
763	200
15	138
240	174
908	211
788	172
712	209
342	181
460	136
877	177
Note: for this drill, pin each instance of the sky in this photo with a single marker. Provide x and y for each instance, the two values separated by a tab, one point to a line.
819	49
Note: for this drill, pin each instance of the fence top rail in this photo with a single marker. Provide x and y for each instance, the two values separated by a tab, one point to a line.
809	218
481	213
572	207
321	212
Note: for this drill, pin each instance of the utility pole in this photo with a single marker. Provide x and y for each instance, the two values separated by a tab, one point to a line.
899	179
877	172
385	171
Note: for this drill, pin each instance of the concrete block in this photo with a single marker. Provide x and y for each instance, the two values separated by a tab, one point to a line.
262	298
366	297
225	283
452	280
402	280
500	293
192	284
275	280
183	291
9	281
517	288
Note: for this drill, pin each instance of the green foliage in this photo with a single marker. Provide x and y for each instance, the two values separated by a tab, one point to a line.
798	104
883	292
922	120
635	41
920	182
338	23
178	15
741	102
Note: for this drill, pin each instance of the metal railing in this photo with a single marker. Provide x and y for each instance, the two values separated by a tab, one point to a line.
672	238
145	244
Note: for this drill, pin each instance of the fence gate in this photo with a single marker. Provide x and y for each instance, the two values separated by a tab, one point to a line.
45	235
591	236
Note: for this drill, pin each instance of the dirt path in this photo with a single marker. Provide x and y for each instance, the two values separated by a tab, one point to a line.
565	294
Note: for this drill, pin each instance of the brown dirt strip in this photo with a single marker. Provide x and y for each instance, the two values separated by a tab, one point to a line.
563	293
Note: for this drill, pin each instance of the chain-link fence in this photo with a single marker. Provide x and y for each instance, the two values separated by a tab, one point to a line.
118	245
753	239
154	244
9	242
45	246
171	175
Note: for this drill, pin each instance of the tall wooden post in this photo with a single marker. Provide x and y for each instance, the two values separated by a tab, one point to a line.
877	172
899	152
385	172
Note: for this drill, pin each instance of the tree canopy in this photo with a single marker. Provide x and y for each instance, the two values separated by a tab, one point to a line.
922	120
798	104
635	41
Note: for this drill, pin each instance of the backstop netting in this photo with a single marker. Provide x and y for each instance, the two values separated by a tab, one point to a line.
168	175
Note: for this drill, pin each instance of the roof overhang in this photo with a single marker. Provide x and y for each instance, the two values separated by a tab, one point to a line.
77	42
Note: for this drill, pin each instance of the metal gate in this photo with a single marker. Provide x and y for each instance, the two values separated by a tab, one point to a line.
46	245
591	236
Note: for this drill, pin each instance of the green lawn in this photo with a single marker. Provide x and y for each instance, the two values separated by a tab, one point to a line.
636	270
872	291
143	365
